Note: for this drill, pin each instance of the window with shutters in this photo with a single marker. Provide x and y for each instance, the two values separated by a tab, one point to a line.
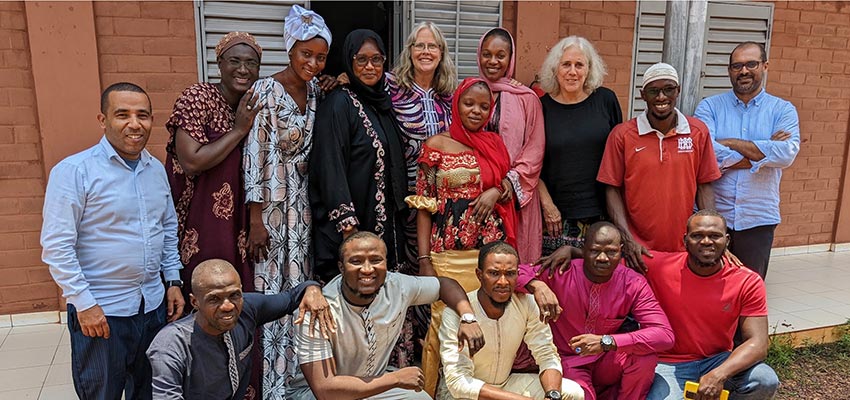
462	22
263	19
728	24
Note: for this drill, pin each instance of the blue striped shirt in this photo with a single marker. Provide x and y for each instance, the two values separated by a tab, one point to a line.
109	230
749	198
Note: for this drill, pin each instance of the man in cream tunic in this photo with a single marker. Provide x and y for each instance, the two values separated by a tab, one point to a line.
507	319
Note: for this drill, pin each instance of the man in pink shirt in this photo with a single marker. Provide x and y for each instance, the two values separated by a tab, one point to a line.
597	293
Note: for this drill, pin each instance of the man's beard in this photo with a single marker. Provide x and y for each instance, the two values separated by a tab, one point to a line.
501	304
708	264
361	296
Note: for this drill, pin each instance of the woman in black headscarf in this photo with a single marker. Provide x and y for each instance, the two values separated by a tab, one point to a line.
357	167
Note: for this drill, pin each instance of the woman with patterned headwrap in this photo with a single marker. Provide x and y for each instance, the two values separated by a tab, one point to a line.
204	165
276	153
207	126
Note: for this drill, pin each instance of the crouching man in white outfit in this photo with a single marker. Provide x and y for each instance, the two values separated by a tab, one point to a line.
507	319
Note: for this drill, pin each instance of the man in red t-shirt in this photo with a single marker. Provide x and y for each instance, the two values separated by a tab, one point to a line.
654	166
706	299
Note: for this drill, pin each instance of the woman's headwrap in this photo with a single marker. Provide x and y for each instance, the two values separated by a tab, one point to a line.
302	24
491	154
233	38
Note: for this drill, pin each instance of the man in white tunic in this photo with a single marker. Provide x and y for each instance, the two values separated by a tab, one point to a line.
507	319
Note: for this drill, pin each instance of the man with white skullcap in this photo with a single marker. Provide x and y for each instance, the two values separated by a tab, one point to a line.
655	165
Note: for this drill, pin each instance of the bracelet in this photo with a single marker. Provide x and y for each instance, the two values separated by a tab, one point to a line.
423	257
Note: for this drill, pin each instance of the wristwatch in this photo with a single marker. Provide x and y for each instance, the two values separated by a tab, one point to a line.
553	395
468	318
607	342
177	283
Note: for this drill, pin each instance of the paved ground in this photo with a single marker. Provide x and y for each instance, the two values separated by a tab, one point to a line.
804	291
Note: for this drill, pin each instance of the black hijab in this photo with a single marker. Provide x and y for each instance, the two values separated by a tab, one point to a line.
379	101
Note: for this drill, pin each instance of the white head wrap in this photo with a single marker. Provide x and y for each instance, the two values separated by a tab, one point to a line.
302	24
660	71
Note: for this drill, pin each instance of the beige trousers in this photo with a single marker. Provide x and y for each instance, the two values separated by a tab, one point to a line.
459	265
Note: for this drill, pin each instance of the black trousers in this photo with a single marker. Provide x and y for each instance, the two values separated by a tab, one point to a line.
104	368
752	246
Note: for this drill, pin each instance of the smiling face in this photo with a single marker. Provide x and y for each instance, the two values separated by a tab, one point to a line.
127	123
494	58
364	269
218	300
240	67
498	277
308	58
572	70
426	59
706	241
602	254
746	81
660	97
474	107
368	73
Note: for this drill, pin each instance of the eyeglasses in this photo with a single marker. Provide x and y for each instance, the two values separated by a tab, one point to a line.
749	64
431	47
668	91
236	63
376	60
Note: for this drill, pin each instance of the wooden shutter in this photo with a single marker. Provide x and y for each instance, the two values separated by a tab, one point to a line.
463	23
728	24
263	19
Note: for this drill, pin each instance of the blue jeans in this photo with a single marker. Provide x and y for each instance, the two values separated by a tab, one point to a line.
759	382
104	368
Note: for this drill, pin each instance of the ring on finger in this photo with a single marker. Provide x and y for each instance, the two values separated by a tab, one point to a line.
248	107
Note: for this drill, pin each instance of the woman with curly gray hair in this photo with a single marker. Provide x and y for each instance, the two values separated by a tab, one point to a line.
578	115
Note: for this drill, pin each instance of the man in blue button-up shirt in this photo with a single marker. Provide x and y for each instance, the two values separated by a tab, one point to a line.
756	135
109	231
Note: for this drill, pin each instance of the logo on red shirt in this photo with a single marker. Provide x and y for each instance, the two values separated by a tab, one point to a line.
686	145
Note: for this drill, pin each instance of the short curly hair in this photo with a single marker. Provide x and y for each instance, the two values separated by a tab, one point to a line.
596	69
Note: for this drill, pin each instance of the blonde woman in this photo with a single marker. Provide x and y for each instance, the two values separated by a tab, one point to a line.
420	87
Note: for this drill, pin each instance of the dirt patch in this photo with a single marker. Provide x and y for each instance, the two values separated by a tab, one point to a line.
817	371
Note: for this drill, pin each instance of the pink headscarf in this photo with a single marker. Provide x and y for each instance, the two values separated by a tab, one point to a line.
521	128
504	83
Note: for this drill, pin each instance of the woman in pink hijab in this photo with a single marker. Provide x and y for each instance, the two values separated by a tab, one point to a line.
518	119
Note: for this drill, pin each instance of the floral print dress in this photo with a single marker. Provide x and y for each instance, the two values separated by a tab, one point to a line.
446	185
276	154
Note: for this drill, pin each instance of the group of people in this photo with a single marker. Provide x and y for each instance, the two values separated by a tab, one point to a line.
385	209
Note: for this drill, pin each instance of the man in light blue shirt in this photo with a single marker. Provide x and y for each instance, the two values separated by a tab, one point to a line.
755	136
109	231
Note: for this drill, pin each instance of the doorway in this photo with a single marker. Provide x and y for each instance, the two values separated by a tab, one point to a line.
343	17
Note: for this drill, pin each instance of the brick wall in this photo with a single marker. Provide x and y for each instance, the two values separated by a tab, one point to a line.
610	26
26	285
810	66
153	45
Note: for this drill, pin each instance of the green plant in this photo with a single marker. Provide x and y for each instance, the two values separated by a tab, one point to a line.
780	351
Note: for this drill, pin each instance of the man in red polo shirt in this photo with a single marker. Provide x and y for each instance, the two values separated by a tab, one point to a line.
655	165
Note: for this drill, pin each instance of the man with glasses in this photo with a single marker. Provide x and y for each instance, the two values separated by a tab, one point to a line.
755	136
655	165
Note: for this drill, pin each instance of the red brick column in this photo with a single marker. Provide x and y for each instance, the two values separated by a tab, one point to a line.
810	67
26	285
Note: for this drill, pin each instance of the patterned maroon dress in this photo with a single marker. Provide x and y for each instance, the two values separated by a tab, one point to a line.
211	213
